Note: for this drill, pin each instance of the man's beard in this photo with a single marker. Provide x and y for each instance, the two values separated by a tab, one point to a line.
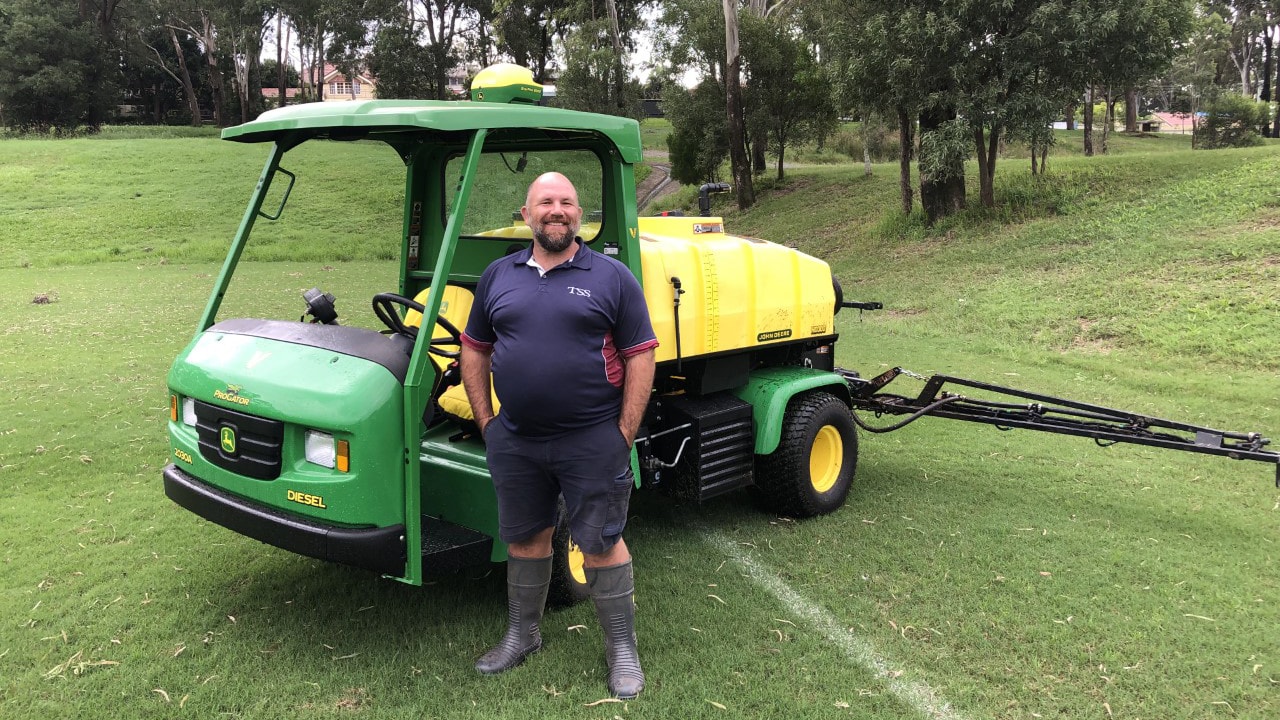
552	244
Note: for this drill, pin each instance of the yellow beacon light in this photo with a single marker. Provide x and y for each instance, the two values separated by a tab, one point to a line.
506	83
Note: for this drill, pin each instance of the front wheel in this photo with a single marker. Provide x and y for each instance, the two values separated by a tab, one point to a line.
811	471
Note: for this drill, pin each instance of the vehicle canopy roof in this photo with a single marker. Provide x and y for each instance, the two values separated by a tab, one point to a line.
395	121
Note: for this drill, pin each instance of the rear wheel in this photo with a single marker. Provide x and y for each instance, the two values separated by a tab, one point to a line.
812	469
568	578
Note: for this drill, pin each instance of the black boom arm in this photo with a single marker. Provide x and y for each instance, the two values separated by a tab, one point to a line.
1033	411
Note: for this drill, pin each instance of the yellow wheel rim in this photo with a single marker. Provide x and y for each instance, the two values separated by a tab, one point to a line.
575	564
826	458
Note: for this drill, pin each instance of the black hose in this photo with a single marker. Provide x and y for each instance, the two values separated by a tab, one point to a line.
914	416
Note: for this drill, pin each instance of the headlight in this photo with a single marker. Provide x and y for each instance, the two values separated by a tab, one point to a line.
189	411
320	449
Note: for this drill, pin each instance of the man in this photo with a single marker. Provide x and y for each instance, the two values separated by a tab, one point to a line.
565	332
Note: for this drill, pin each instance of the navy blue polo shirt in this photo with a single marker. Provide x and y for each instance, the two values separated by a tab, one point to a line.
558	340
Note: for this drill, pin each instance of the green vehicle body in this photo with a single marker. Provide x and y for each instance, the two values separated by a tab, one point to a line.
253	384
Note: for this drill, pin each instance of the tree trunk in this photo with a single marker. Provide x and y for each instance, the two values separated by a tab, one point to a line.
1088	122
282	78
215	75
942	196
1266	76
1108	120
188	88
733	108
906	143
759	146
317	67
1070	113
1275	124
986	148
1131	110
619	75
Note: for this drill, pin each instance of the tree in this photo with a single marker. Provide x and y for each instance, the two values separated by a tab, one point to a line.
52	68
1248	23
904	60
741	164
245	25
602	38
440	22
1119	45
690	37
1232	120
527	31
404	67
173	51
594	79
153	74
698	142
789	95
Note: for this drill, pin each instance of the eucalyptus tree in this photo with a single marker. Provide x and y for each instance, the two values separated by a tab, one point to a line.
690	38
739	161
1248	21
600	38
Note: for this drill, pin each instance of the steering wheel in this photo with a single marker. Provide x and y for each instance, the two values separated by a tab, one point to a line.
383	308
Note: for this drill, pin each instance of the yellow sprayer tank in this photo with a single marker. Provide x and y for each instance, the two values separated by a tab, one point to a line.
740	292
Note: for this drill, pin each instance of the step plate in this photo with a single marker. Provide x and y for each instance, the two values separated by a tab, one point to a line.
447	547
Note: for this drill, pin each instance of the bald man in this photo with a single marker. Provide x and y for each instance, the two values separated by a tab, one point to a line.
564	333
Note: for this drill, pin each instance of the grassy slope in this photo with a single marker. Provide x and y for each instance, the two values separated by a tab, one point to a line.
1018	575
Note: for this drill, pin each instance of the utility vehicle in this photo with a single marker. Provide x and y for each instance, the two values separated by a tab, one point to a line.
354	445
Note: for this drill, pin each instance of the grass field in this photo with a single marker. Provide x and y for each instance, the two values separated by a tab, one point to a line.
972	574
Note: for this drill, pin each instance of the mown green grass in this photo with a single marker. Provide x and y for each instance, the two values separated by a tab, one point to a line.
1016	575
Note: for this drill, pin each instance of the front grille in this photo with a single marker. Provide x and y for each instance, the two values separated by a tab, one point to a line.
244	444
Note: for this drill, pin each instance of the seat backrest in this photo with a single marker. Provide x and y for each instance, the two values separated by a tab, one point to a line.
455	307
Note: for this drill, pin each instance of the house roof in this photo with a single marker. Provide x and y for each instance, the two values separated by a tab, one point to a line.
1173	120
331	72
386	119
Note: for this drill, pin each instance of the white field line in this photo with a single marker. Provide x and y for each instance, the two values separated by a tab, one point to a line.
922	698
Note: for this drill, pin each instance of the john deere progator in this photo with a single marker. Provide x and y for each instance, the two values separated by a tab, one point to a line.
355	445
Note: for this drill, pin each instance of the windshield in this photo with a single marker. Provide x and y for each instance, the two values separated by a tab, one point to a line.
502	180
338	231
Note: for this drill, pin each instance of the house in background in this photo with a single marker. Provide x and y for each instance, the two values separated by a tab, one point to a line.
456	80
272	94
1174	122
338	86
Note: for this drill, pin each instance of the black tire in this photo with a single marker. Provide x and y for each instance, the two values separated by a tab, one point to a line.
812	469
568	580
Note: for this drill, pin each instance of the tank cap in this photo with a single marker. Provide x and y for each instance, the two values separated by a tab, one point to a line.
506	83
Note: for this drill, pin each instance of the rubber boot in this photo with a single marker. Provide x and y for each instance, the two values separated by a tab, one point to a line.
612	589
527	583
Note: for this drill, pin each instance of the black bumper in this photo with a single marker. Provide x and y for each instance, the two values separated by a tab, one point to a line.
379	549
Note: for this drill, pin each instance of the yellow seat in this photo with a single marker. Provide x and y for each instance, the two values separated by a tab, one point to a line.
455	307
453	401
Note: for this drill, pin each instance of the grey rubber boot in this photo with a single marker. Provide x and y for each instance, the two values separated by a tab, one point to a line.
527	583
612	589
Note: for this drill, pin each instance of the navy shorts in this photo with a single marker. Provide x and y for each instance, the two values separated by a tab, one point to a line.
591	467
